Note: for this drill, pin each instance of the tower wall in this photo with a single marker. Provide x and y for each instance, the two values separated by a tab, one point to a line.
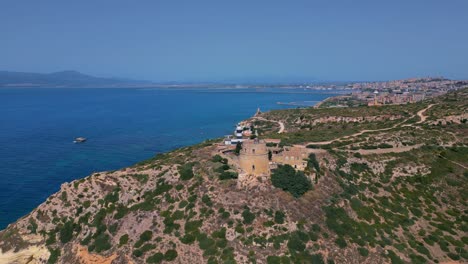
253	158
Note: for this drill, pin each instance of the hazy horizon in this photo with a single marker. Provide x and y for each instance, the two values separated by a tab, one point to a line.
261	41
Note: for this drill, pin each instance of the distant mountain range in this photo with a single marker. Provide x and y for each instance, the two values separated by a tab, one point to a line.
75	79
64	79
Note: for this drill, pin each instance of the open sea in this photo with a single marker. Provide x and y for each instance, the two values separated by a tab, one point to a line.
123	126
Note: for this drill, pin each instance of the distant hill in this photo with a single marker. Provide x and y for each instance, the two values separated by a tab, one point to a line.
63	79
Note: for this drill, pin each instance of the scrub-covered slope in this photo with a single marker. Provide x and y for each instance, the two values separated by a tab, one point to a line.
390	186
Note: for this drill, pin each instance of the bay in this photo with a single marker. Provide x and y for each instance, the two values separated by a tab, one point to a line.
123	126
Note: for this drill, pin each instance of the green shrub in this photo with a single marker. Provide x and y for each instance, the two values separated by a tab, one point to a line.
170	255
112	197
102	243
123	240
417	259
192	226
226	175
51	239
217	158
32	226
54	255
155	258
248	216
273	260
186	171
318	259
238	148
286	178
279	217
207	200
183	203
316	228
313	163
188	239
296	244
142	178
363	251
145	236
453	256
341	242
66	232
222	168
394	258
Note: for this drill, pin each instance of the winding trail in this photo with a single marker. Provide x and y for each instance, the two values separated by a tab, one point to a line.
281	127
454	162
281	124
419	113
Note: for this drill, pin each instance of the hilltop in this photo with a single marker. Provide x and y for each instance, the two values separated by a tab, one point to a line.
386	184
63	79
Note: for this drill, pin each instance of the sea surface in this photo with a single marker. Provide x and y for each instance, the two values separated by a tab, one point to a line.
123	126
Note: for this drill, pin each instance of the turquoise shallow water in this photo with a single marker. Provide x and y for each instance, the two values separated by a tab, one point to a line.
123	126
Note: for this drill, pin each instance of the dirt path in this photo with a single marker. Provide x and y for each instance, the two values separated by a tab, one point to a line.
281	124
281	127
419	113
454	162
387	150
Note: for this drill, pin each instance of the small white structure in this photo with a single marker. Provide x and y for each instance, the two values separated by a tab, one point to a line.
239	134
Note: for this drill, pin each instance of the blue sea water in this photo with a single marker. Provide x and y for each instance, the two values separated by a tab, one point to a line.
123	126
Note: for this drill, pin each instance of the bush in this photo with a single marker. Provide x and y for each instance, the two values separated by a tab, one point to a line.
217	158
123	240
145	236
54	255
226	175
341	242
207	200
156	258
313	163
66	233
188	239
295	243
279	217
170	255
186	171
286	178
102	243
273	260
363	251
248	216
238	148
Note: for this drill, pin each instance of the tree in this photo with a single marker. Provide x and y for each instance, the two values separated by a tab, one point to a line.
238	148
313	163
270	155
279	217
66	233
248	216
186	171
170	255
286	178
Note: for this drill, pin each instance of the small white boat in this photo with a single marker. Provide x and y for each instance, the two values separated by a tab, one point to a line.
79	140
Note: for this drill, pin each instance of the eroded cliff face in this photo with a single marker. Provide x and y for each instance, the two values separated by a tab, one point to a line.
176	198
30	255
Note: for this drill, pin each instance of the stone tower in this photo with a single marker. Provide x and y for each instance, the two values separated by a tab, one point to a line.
253	158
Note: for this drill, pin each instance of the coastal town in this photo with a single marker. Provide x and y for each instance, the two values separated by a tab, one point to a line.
390	92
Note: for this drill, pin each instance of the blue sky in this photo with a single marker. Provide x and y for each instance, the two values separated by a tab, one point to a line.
237	40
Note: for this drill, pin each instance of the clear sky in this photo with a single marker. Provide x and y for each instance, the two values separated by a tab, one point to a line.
239	40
